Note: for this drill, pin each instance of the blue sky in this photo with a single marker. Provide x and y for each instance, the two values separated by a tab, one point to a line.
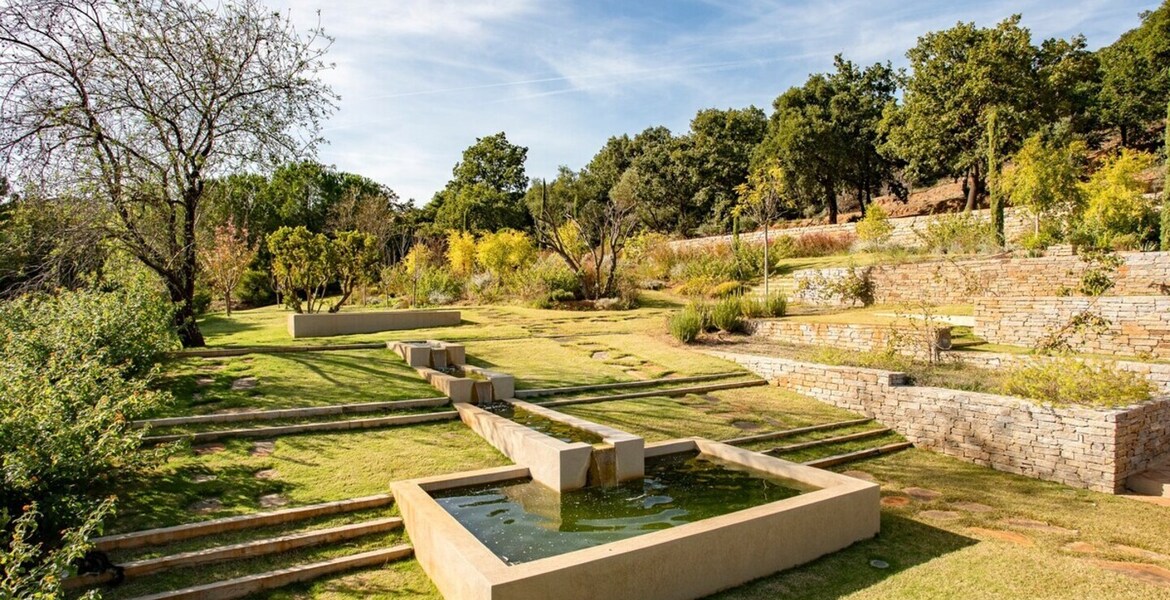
421	79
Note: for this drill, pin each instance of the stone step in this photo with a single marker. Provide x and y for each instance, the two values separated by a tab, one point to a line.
166	535
243	550
251	584
267	432
1155	482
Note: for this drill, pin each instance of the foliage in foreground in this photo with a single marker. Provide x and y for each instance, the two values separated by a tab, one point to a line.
33	570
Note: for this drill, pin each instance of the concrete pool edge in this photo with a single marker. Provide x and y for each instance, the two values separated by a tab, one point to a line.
660	565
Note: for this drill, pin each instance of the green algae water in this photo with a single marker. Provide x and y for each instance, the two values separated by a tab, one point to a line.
549	427
526	521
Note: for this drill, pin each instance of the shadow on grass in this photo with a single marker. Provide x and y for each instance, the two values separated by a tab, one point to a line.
221	325
903	544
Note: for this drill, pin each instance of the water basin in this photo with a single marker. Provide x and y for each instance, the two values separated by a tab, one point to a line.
522	521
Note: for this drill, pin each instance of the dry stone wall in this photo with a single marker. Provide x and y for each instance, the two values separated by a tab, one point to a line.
1082	447
905	233
957	281
917	342
1138	325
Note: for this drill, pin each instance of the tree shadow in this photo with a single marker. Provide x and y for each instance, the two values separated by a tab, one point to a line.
902	544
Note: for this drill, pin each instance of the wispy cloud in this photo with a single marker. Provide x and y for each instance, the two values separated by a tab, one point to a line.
421	79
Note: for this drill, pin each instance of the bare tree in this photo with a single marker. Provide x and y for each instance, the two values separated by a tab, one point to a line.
137	104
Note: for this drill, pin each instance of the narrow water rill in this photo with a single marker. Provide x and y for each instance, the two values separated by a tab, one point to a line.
524	521
555	429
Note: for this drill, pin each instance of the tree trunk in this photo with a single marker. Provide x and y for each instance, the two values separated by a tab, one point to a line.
831	201
182	294
974	188
767	224
227	302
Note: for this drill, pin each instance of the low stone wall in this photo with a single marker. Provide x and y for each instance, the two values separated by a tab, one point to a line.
859	337
906	231
1088	448
957	281
1158	374
322	325
1138	324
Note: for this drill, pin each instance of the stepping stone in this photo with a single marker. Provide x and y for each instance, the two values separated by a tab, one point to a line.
245	383
922	494
974	507
204	478
1140	552
1039	526
272	501
1140	571
940	515
212	448
746	425
862	475
267	474
205	506
1081	548
204	381
600	356
264	448
1003	536
895	501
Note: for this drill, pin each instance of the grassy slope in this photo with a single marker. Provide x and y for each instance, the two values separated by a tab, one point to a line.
929	559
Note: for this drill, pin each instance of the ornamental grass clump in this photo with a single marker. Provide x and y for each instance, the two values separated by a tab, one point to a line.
687	324
727	315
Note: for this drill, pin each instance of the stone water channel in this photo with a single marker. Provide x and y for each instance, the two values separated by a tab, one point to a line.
590	511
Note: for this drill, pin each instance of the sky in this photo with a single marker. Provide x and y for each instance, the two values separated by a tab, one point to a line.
420	80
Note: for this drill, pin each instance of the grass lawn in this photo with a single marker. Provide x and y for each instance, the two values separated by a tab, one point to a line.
973	553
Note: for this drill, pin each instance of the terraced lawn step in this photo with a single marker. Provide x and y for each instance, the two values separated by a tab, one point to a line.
861	435
830	461
700	389
165	535
295	413
763	437
224	352
284	543
560	391
243	586
265	432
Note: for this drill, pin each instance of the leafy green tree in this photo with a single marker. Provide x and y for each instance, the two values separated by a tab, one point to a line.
1165	224
1136	76
355	257
762	197
1070	75
302	264
225	260
461	252
1045	179
504	252
959	76
859	98
716	158
142	110
487	188
1117	214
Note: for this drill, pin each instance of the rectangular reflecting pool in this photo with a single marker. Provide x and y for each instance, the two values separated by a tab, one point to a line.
525	521
555	429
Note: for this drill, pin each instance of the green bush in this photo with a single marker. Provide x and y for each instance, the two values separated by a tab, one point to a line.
875	229
687	324
775	305
255	289
201	301
438	287
1066	380
958	233
727	315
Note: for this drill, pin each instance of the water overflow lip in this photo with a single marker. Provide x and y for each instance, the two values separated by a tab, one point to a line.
523	521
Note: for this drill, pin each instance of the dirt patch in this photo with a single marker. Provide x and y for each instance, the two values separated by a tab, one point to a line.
1142	572
895	501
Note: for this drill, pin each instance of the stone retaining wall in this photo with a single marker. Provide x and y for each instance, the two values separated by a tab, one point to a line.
905	233
1088	448
1138	324
854	336
957	281
1157	373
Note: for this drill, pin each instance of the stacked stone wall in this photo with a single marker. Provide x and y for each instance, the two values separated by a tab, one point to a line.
1082	447
910	341
1137	325
958	281
1157	373
906	231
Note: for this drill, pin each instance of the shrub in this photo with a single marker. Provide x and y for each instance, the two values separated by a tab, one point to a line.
547	282
852	285
1117	214
727	315
201	301
504	252
461	252
438	287
650	256
255	289
687	324
958	233
32	569
727	288
875	229
775	305
1066	380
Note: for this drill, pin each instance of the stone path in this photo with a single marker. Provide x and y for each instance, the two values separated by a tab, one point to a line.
263	448
1140	571
267	474
895	501
213	448
922	494
245	383
272	501
205	506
